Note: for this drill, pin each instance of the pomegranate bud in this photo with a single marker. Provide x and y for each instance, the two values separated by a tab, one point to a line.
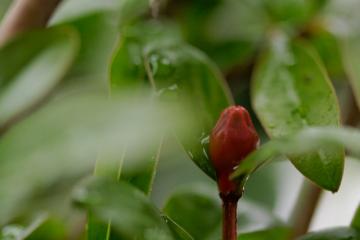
232	139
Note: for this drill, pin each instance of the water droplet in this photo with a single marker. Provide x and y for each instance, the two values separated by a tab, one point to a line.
169	93
161	66
204	141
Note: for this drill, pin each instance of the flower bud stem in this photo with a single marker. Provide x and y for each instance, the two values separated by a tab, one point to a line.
229	202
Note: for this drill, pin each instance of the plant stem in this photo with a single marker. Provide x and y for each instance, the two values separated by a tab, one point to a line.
25	15
303	213
229	216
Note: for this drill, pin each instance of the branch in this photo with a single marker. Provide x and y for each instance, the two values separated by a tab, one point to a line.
26	15
305	207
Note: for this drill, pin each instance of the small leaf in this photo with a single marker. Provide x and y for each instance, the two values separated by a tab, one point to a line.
291	91
274	233
341	233
131	213
355	223
30	68
198	210
178	232
198	213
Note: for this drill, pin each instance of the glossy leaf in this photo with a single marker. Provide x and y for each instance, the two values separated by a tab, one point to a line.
23	83
291	91
132	214
65	149
304	142
198	210
341	233
175	70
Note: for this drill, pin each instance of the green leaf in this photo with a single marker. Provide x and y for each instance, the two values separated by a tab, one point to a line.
30	67
293	12
205	25
98	23
329	49
291	91
4	7
18	232
178	232
98	34
124	10
355	223
66	148
274	233
351	50
143	176
175	70
131	213
304	142
341	233
198	210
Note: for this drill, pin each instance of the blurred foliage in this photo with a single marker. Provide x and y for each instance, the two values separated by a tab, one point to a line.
129	90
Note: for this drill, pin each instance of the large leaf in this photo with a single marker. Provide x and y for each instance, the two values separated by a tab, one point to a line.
198	210
123	70
351	50
292	91
67	148
30	68
341	233
131	213
176	70
328	47
304	142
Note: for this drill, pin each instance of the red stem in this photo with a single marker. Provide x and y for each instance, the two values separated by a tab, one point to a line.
229	216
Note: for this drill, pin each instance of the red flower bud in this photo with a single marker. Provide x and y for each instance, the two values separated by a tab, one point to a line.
232	139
